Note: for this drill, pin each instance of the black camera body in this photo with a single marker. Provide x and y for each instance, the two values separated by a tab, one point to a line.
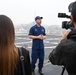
66	24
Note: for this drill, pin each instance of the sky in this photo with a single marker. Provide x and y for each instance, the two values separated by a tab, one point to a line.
24	11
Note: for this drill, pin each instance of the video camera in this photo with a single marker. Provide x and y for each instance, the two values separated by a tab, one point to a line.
66	24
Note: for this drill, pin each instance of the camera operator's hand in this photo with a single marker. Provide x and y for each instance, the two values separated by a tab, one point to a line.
64	36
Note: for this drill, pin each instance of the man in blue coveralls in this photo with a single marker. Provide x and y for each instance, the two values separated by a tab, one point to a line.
37	33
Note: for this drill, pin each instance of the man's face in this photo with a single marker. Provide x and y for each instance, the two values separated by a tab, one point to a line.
39	21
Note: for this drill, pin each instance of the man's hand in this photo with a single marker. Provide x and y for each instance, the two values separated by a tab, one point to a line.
65	35
37	37
41	37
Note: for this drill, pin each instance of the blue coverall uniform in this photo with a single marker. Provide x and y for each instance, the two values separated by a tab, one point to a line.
37	46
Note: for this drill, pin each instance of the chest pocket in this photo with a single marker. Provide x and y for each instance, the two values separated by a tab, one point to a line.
42	31
36	31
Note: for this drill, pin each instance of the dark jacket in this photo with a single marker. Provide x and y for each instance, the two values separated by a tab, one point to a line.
65	53
18	70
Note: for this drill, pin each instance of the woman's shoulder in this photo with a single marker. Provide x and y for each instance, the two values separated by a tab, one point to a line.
25	52
24	49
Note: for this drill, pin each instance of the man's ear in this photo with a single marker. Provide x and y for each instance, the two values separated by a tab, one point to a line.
72	19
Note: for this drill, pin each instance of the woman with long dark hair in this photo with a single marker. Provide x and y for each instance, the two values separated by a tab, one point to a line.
10	63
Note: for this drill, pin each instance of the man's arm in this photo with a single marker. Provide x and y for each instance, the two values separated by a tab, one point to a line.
33	37
37	37
41	37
